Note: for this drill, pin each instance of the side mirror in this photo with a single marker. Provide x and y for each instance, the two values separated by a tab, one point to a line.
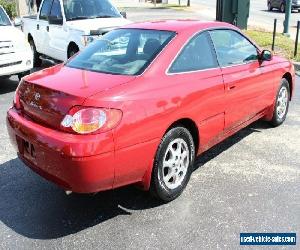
17	22
266	55
55	20
124	14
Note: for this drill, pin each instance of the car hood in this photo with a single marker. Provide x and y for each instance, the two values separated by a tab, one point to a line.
87	25
11	33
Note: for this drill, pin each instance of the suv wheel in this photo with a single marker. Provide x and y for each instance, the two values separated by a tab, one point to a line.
37	62
270	8
282	8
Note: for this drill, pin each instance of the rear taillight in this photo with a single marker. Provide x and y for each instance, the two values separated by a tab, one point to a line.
88	120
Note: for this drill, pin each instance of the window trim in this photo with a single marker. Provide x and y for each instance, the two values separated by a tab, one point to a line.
219	67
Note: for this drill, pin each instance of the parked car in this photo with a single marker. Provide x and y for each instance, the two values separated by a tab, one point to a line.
15	53
280	5
140	104
63	27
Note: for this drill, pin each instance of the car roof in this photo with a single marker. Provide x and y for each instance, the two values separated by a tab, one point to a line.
179	25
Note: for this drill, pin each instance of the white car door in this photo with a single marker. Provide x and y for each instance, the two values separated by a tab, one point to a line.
42	37
57	32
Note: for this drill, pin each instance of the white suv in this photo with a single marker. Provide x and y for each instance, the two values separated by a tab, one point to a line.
16	56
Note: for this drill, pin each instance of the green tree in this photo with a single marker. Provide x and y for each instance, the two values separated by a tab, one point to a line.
10	7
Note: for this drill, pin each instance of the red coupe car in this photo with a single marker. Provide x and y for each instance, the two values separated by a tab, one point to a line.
138	105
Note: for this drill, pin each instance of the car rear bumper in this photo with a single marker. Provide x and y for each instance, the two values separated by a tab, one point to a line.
63	158
16	63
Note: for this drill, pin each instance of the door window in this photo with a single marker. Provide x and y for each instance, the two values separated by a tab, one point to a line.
196	55
45	10
232	48
56	10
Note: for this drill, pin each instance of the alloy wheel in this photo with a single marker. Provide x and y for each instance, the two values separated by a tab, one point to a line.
176	163
282	102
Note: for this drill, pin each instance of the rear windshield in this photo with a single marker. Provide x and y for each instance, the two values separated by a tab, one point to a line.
122	51
4	21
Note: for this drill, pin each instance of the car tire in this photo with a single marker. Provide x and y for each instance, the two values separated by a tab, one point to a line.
281	103
282	8
21	75
37	62
72	51
173	164
270	8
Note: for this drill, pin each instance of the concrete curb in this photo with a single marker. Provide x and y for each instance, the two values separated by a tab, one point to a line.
297	68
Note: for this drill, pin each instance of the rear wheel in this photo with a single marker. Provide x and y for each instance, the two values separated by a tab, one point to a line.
37	62
173	164
281	104
282	8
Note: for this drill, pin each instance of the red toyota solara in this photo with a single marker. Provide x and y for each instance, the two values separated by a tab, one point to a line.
137	105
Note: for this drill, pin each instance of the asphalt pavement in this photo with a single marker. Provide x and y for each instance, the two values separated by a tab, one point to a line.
248	183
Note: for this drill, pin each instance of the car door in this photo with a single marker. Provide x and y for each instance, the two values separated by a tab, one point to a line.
57	33
245	85
196	69
42	38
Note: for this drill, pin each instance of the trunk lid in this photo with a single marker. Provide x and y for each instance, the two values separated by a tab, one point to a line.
47	96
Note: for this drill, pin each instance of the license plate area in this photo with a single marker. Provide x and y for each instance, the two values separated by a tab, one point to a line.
26	149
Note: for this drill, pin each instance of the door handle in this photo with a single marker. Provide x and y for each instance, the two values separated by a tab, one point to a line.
38	27
47	28
231	87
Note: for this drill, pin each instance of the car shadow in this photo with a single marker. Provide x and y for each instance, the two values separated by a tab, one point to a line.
37	209
8	85
255	127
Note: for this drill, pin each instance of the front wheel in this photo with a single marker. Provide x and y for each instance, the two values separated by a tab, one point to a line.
37	62
73	50
281	104
173	164
270	8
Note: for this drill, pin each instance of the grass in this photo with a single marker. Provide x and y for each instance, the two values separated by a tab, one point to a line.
283	45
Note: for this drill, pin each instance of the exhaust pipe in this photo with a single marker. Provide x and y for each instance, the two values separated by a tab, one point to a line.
68	192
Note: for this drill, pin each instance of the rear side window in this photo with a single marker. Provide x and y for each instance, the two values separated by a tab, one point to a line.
198	54
45	10
56	9
232	48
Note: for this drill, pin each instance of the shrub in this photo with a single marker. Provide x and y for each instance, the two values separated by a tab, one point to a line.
10	7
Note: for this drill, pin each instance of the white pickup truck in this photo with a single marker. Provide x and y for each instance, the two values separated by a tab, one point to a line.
63	27
15	52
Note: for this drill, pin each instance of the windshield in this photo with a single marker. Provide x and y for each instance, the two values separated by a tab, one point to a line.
87	9
4	20
122	51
